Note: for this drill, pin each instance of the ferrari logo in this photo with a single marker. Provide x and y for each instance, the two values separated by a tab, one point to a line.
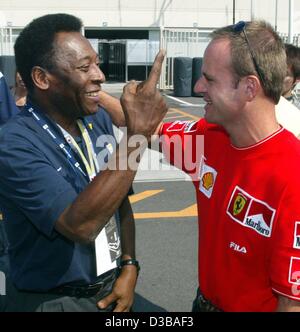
239	204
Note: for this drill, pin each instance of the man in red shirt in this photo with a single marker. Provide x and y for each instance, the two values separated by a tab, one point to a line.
246	178
245	167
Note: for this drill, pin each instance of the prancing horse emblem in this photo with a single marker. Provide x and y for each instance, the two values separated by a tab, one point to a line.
239	204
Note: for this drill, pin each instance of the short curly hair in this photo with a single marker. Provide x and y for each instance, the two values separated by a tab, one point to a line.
35	44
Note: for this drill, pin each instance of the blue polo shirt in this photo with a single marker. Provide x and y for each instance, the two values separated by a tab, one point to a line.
36	185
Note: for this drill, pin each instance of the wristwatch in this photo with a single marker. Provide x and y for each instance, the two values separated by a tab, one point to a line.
131	261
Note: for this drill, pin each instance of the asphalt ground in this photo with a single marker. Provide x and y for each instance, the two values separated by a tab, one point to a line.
165	212
166	247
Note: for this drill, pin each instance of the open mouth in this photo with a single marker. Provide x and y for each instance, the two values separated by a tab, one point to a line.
93	93
207	100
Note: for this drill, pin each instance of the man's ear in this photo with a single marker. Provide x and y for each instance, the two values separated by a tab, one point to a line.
252	87
40	77
288	84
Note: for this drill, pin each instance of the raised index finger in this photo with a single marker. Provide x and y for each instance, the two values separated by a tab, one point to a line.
154	75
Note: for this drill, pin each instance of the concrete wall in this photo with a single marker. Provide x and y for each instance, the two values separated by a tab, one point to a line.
150	13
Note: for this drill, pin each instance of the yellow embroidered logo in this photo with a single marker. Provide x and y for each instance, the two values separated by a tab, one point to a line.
239	204
208	180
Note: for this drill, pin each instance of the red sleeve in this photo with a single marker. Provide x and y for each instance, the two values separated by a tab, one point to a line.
183	143
285	259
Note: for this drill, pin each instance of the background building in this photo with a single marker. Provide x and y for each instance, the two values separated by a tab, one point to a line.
128	33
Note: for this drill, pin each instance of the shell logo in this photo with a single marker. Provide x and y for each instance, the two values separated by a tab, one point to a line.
208	180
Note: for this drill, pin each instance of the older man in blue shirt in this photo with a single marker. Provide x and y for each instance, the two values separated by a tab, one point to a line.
70	224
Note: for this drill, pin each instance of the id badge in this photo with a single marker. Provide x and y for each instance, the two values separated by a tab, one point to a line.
108	247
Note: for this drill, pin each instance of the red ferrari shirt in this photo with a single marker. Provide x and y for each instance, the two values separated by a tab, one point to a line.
248	211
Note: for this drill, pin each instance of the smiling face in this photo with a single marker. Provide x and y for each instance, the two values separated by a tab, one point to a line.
76	80
218	84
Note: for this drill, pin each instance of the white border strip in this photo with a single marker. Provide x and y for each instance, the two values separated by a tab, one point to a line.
296	235
182	101
290	271
260	142
286	295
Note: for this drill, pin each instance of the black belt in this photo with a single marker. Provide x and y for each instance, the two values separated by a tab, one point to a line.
84	290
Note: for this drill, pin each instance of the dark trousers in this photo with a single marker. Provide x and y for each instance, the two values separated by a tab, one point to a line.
24	301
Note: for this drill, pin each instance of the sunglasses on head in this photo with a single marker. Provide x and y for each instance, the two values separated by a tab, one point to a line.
241	27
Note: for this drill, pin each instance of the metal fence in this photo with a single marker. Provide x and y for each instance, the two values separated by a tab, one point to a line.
8	36
6	41
180	42
296	39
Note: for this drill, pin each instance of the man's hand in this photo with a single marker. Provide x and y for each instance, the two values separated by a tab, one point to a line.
123	291
143	105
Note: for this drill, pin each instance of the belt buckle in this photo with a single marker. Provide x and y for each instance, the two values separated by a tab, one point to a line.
94	289
97	286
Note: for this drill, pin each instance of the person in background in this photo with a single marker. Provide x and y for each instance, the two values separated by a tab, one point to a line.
7	110
7	105
65	198
288	115
4	259
293	74
19	92
287	110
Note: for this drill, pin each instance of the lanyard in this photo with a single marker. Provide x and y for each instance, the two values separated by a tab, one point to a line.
90	167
